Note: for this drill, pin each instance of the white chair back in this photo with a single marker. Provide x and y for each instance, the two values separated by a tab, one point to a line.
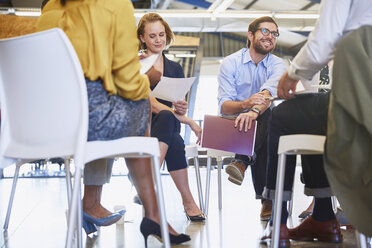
43	97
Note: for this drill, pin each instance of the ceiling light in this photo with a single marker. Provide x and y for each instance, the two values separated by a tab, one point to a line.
296	15
27	13
185	55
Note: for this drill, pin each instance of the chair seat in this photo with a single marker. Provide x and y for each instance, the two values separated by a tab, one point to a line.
305	144
128	146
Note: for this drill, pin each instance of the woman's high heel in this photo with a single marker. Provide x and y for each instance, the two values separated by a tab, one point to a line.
199	217
109	220
89	227
149	227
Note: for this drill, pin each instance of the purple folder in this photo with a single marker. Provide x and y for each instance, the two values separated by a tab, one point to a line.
219	133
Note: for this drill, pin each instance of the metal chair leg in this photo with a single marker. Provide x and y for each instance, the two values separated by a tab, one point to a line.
334	203
68	179
219	163
208	185
79	223
290	204
278	200
74	208
161	205
198	180
361	239
10	204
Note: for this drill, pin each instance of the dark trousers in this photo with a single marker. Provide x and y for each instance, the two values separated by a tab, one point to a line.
304	114
166	127
258	169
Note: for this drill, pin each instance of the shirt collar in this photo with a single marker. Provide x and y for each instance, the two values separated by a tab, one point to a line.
247	58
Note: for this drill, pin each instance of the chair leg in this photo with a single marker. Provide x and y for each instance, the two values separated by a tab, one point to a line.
278	200
160	200
208	185
79	223
290	207
361	239
219	163
73	209
10	204
68	179
334	203
198	180
290	204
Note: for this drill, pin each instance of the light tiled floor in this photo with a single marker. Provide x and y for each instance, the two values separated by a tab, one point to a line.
38	216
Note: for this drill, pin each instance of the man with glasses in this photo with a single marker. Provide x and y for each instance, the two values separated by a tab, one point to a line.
247	78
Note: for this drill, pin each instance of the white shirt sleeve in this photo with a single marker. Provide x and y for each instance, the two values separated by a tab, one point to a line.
322	41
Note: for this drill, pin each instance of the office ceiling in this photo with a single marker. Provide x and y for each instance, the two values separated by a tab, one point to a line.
296	18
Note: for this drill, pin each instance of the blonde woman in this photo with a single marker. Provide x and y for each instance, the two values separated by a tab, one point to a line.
154	35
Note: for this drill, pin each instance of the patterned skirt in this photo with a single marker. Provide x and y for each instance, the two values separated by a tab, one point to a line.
112	116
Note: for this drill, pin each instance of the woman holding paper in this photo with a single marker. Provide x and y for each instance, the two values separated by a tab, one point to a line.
154	35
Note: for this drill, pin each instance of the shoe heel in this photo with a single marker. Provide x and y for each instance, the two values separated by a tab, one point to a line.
145	235
149	227
89	227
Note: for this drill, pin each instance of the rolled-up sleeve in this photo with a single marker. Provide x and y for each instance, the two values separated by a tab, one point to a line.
277	68
226	82
319	48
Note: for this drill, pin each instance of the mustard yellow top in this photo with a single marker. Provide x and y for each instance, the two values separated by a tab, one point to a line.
103	33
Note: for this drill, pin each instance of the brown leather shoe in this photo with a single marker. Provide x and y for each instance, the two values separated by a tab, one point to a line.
283	235
266	210
236	170
310	229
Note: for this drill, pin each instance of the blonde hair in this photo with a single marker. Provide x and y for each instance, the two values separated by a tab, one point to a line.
151	18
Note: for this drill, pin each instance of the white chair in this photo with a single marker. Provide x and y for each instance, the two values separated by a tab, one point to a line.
191	151
291	145
303	144
219	155
41	79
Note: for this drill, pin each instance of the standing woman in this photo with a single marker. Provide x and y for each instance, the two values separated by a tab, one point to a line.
103	33
154	35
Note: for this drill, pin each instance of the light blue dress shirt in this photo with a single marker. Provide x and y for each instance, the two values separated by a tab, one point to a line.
239	77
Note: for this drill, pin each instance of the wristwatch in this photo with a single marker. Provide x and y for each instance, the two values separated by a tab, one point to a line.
257	110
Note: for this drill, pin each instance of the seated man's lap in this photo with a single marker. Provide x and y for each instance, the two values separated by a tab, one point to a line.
303	114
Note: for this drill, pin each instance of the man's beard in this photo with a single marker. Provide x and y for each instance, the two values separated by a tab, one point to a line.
260	49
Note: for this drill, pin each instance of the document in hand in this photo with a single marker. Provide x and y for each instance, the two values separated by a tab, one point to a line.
147	62
310	86
172	89
219	133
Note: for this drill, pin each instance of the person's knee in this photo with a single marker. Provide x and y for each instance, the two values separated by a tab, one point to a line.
165	114
279	115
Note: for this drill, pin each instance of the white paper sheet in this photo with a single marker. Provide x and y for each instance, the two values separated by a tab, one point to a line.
172	89
310	86
147	63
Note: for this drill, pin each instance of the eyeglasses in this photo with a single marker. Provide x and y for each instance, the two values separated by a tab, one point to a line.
266	32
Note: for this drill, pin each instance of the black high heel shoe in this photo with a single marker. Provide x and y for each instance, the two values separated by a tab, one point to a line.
199	217
149	227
